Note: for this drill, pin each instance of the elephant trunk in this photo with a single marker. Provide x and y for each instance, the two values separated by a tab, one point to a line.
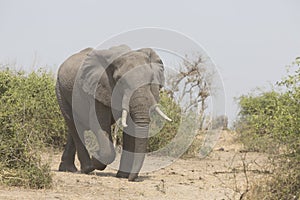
135	135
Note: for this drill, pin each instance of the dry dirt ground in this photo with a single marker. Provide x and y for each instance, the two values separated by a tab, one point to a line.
225	174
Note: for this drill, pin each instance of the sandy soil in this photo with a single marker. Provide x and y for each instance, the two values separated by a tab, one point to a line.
225	174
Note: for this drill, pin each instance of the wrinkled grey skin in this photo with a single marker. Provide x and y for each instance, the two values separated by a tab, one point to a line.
97	80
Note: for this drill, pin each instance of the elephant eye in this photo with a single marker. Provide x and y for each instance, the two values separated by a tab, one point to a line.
162	68
117	75
160	62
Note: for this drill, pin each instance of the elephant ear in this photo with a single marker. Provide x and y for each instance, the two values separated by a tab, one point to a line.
156	65
95	76
157	68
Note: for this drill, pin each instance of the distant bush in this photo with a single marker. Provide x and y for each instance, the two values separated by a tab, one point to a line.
29	120
270	122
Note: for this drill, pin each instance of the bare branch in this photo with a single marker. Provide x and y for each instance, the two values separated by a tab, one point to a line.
191	86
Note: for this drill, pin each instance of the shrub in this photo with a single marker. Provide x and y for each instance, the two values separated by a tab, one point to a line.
29	120
163	132
270	121
257	120
28	102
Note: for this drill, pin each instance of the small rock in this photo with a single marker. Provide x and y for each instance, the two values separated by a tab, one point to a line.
221	149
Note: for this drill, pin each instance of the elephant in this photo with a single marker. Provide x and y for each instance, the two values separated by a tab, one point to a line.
94	89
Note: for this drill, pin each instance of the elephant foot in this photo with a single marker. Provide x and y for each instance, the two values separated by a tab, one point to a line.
97	164
87	169
121	174
64	167
132	176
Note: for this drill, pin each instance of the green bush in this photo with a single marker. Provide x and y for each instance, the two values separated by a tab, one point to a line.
270	122
257	120
28	102
161	131
30	119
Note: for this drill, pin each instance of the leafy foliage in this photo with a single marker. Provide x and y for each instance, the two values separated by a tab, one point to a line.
270	121
29	120
162	133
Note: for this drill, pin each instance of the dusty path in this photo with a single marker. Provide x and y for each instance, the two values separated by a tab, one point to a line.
219	176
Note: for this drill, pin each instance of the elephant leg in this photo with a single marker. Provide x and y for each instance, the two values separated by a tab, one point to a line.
74	141
139	157
133	154
101	126
126	157
82	153
68	157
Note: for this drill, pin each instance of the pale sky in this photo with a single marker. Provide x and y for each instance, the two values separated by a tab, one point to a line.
249	41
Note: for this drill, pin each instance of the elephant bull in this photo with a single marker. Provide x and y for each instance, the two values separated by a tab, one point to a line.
96	87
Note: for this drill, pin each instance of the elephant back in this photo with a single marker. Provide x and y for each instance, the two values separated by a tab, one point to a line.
68	70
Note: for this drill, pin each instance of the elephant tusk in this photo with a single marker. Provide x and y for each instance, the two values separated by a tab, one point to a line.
124	118
163	115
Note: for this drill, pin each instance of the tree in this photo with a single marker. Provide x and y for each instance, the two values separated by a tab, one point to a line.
191	87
